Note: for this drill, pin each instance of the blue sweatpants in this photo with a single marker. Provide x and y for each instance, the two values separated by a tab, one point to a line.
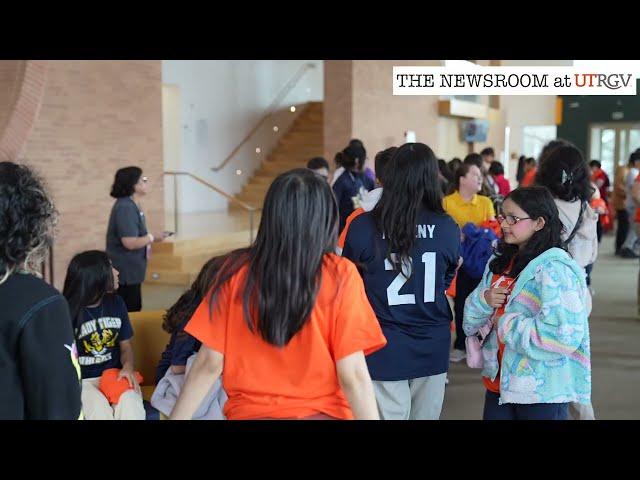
522	411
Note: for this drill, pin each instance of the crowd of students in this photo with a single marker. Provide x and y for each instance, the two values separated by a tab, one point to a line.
339	309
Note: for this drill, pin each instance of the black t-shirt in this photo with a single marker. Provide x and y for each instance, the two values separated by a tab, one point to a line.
39	372
99	333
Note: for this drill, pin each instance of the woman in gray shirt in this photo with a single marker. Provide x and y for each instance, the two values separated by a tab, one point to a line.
128	240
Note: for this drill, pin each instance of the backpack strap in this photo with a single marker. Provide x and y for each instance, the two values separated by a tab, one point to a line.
577	225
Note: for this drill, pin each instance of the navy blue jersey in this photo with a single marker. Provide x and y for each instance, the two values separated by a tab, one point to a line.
180	347
414	313
99	333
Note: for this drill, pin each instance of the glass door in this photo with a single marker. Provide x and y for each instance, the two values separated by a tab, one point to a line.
612	143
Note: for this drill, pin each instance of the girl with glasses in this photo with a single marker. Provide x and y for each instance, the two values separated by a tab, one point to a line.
534	299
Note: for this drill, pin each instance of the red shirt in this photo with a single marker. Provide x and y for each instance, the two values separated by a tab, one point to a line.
601	175
529	178
503	281
503	185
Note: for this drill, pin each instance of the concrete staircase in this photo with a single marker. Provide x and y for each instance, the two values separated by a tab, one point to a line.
302	141
177	261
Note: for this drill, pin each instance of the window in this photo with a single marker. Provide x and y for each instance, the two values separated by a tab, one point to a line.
536	137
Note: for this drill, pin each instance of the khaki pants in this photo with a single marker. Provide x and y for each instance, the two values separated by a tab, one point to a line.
415	399
96	406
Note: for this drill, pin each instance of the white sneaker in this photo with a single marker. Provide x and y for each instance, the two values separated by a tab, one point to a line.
457	355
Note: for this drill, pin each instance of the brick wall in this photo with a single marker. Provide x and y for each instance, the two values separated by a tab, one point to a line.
95	117
338	102
21	89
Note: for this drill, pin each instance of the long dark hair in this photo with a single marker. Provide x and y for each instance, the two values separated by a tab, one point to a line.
299	226
411	184
356	149
347	160
381	161
538	202
188	302
564	171
89	278
125	182
445	170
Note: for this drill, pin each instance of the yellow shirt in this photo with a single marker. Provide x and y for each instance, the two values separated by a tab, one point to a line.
476	211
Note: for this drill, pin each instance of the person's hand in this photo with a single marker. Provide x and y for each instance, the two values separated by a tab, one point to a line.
495	297
159	236
128	374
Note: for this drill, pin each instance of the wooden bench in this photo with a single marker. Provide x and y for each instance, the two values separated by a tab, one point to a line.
149	341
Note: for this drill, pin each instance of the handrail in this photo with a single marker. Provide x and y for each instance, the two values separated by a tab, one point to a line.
231	198
245	206
281	95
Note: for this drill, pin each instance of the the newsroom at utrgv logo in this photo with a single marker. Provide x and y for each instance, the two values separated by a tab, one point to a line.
593	80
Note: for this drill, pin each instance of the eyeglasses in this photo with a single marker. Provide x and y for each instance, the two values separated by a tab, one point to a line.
511	219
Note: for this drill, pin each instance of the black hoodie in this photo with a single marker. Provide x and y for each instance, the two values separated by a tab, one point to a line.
39	372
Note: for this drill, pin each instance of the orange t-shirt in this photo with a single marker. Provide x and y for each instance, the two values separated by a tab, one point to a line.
299	379
504	282
343	235
529	178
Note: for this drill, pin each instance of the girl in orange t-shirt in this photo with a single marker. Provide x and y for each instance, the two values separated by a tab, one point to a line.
287	323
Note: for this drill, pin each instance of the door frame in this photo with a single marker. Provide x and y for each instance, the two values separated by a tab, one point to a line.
617	127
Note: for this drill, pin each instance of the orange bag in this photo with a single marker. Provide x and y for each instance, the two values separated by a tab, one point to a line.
492	225
112	388
605	218
451	291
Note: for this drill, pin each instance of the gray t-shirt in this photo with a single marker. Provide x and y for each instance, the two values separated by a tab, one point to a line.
127	220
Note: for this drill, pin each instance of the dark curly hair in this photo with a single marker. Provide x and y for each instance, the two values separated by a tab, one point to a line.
564	171
27	218
181	311
125	181
538	202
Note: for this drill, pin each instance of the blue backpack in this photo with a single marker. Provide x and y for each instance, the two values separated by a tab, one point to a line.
477	248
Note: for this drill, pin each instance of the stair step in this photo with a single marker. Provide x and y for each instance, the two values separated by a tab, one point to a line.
165	277
255	180
303	141
200	245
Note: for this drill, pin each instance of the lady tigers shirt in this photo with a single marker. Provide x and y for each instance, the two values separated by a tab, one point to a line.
99	333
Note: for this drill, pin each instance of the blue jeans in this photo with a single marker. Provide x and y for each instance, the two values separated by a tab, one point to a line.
522	411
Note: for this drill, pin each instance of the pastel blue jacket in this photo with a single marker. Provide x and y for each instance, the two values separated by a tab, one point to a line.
545	330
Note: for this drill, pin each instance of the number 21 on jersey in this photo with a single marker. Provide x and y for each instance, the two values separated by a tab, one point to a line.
394	297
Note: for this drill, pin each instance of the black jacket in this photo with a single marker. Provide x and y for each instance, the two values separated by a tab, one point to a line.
39	372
